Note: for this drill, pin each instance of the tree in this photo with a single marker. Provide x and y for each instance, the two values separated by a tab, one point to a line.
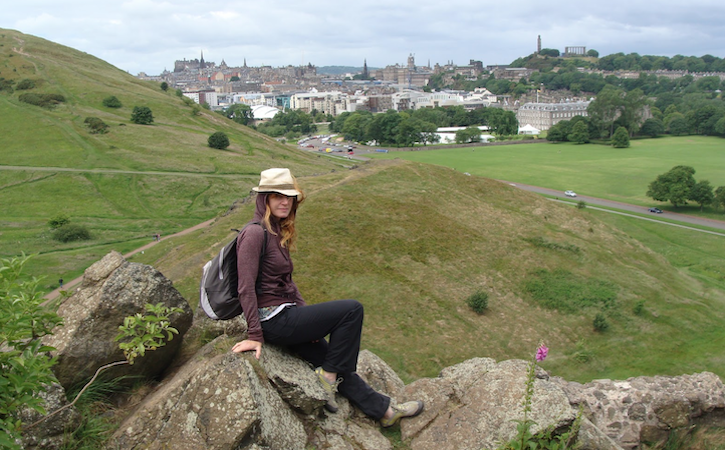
673	186
605	109
559	132
239	112
164	86
470	134
218	140
652	128
142	115
549	52
719	197
428	133
112	102
579	133
593	53
620	139
678	125
701	193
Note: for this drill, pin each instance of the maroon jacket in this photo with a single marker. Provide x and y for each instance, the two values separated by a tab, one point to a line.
275	284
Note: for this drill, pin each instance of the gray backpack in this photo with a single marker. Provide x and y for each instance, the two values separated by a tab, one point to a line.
219	298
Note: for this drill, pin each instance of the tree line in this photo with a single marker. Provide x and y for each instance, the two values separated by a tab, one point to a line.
614	108
406	128
678	186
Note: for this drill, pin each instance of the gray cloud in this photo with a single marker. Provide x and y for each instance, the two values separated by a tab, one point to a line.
149	35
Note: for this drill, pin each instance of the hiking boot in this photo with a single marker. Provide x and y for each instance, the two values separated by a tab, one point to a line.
330	390
408	409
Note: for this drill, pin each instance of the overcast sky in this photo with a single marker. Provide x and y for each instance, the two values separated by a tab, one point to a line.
149	35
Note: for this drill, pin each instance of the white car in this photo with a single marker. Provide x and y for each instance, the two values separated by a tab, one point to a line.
570	193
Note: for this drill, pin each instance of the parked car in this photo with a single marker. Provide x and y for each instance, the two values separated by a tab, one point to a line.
655	210
570	193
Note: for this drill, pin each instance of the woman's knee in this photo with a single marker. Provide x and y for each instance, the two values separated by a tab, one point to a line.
355	307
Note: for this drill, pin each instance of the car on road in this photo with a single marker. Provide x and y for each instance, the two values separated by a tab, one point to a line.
655	210
570	193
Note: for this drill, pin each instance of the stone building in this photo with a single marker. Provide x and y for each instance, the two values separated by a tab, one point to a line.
545	115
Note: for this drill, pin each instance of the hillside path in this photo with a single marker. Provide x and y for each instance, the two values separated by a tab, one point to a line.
118	171
67	286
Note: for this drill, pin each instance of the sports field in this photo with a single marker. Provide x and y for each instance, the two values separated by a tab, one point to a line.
592	170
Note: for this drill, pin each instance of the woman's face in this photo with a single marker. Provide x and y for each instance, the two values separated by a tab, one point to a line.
280	205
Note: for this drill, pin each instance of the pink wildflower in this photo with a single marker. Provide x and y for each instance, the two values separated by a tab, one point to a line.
541	353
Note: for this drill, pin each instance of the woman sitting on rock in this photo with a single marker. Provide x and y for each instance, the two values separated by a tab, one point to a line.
276	313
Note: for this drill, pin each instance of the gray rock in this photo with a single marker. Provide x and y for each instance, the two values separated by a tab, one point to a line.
646	409
217	403
49	434
378	374
230	401
475	405
112	289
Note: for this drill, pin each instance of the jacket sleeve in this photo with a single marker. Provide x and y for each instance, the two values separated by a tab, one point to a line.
249	248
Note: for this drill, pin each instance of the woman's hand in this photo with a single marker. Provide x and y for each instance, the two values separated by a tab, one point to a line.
248	345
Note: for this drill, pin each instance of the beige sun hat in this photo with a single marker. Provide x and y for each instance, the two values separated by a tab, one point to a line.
279	181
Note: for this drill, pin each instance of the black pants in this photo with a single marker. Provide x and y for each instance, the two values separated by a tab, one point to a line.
303	330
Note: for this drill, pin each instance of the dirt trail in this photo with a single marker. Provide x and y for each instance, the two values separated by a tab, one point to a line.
67	286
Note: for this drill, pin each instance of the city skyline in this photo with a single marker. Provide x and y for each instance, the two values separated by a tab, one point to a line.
148	36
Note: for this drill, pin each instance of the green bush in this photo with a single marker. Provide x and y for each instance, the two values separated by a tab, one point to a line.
96	125
71	232
42	100
25	364
112	102
478	302
164	86
218	140
25	84
6	85
638	307
581	204
58	221
142	115
600	323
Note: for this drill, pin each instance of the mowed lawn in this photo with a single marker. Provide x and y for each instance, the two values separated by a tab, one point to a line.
588	169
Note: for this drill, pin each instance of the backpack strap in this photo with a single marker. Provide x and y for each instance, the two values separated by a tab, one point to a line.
261	255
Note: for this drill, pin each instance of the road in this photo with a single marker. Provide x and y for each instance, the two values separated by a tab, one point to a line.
710	223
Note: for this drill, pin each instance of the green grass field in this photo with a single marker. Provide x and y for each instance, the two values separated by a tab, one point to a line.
594	170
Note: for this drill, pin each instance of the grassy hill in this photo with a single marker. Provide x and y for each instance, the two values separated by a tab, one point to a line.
126	185
413	241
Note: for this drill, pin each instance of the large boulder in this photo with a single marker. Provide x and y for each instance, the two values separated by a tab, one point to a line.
226	401
643	410
475	405
113	289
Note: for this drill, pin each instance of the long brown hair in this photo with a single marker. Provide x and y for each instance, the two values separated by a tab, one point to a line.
287	225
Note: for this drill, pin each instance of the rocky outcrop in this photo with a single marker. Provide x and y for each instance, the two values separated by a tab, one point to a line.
645	409
225	401
112	289
476	404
